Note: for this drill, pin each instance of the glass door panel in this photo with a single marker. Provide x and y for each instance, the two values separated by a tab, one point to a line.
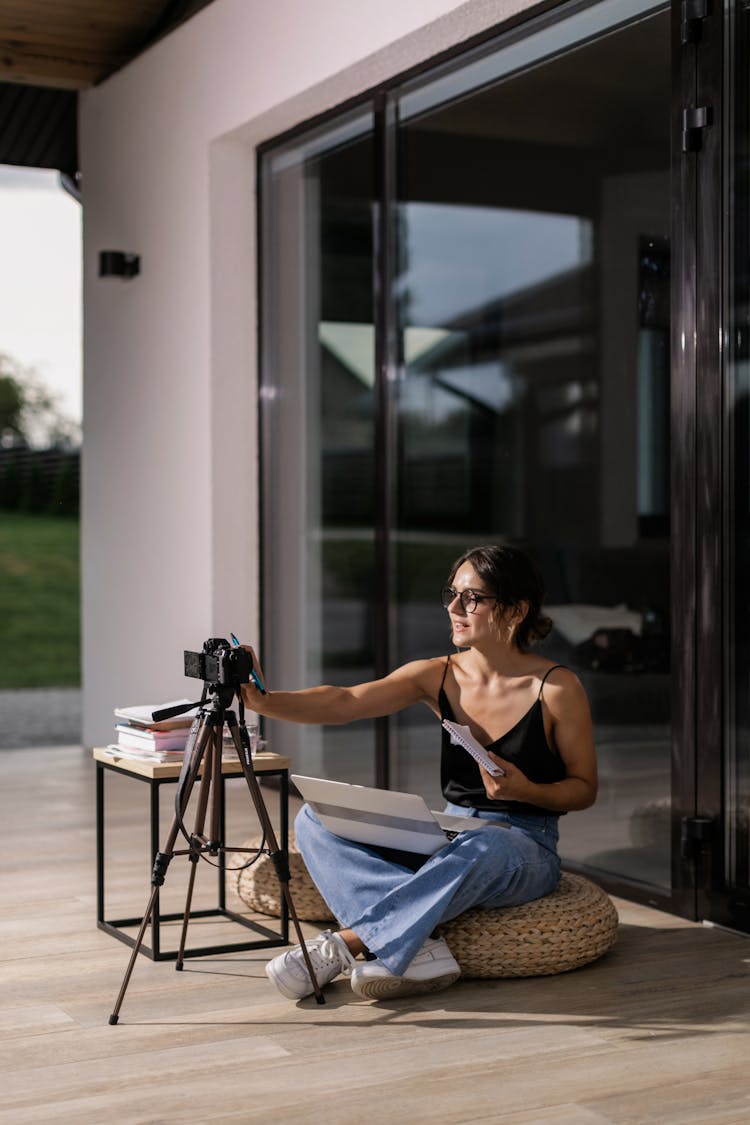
318	375
533	394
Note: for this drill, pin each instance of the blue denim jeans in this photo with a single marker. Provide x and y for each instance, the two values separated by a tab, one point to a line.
393	909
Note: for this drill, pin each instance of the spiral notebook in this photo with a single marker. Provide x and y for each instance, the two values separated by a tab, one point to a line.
462	736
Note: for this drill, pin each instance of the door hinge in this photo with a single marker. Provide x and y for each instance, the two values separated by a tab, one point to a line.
694	122
696	836
694	12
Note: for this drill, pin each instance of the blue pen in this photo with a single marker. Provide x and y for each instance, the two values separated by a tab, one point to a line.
256	678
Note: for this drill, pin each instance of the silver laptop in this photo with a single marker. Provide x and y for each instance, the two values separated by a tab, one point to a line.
381	816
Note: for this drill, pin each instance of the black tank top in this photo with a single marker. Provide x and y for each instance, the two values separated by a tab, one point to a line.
525	744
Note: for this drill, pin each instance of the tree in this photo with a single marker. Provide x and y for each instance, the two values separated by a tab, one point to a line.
11	406
30	414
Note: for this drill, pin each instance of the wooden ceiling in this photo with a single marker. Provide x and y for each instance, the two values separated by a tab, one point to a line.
73	44
51	49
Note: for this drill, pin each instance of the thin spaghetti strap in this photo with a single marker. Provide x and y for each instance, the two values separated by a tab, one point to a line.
544	678
445	671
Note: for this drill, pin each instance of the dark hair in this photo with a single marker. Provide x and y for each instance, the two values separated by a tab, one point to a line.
513	577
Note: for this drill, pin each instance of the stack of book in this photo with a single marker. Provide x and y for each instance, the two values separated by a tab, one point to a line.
140	736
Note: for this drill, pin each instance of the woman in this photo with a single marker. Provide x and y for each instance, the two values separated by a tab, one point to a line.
533	717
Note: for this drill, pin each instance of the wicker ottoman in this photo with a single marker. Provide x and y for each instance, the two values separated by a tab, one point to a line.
258	886
571	927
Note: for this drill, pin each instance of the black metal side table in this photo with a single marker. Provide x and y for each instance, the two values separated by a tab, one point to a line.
156	774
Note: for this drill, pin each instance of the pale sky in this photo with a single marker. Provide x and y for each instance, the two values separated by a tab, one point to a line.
40	280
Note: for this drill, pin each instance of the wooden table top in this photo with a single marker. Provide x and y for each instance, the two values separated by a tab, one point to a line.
153	770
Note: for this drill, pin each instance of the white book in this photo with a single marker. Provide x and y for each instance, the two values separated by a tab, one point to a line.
143	716
116	751
140	738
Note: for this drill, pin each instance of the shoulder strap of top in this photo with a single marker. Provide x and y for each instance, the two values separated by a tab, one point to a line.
445	671
544	678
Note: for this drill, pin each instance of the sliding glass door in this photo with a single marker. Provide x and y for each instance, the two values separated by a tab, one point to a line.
469	288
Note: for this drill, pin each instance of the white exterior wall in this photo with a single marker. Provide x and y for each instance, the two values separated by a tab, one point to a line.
170	480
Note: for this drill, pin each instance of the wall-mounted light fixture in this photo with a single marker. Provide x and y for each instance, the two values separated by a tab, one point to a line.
115	263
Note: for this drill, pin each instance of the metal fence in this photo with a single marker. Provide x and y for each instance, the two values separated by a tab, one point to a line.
40	480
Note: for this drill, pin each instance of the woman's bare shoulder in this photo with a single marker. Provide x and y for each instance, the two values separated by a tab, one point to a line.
553	673
561	686
427	673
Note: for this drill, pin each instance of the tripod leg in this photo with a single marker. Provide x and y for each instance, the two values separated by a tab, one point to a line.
207	781
114	1017
217	803
161	863
279	859
180	962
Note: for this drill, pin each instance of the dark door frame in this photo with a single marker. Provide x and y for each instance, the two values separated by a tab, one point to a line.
697	528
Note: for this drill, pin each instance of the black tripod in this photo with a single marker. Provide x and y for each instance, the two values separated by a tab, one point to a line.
204	748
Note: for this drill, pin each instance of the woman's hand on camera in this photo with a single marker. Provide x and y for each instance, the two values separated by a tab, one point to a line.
252	696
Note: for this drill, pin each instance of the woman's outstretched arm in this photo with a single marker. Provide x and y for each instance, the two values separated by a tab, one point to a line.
411	683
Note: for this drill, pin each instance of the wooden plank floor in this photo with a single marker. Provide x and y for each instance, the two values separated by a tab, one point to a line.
657	1031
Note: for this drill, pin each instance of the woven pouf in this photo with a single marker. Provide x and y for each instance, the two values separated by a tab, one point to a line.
258	886
570	927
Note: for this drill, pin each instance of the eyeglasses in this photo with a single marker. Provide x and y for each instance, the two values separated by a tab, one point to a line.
469	599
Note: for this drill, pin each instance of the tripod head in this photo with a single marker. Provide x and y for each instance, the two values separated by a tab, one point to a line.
223	669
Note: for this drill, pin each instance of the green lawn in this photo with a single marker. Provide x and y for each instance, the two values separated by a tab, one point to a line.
39	601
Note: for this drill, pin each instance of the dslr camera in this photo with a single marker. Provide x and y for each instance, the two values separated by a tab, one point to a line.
219	663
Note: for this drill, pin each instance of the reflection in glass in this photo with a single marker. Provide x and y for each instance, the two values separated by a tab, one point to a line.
528	373
533	403
318	376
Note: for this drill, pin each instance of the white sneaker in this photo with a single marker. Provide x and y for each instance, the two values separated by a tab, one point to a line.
329	956
433	968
